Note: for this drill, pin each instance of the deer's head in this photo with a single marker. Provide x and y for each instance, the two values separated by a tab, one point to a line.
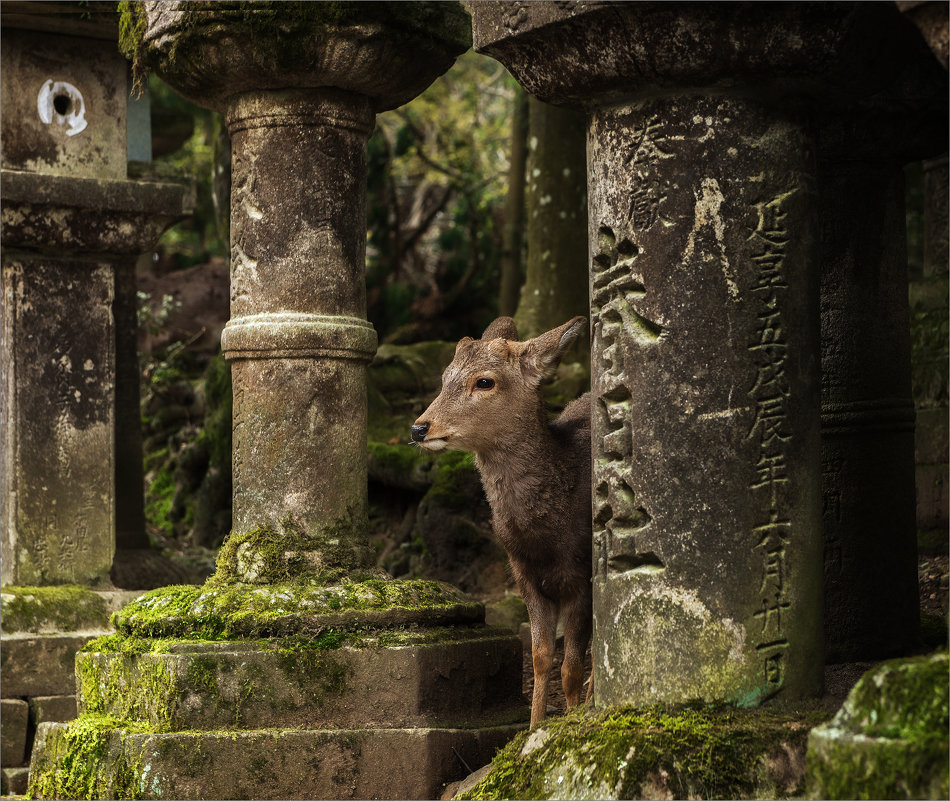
491	392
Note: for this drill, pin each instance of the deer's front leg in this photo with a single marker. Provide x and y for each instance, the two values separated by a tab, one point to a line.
578	622
542	616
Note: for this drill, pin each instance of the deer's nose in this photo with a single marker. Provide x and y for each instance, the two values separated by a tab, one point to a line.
419	432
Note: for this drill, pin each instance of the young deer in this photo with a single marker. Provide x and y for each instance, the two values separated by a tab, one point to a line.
536	475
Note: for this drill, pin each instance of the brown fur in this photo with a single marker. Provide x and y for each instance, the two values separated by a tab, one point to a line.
536	475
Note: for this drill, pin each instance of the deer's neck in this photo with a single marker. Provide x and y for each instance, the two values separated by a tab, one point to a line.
517	474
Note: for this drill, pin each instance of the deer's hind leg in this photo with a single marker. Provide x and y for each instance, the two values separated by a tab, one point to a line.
578	623
542	616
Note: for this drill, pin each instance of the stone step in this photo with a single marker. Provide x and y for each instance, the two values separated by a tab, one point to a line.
263	764
436	677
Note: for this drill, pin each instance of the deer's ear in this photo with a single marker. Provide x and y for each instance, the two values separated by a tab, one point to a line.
464	342
542	354
503	328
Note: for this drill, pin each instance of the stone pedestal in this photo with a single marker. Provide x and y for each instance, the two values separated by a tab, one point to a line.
298	658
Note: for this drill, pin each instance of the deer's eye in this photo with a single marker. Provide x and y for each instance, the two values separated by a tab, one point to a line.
484	383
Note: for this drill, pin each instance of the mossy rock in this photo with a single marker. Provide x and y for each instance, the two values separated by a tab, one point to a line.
890	738
690	751
277	610
47	609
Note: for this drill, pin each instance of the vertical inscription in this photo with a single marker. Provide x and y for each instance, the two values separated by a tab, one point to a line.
770	431
617	515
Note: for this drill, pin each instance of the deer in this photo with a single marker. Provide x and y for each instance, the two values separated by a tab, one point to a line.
536	476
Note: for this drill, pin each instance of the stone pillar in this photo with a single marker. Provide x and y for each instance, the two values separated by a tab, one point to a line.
928	298
298	337
705	260
867	471
705	429
72	220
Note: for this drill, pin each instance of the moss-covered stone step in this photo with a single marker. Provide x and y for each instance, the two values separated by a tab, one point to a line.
688	751
216	611
46	610
890	738
441	677
96	757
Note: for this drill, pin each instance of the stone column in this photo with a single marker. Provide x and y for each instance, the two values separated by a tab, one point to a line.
298	336
705	429
867	471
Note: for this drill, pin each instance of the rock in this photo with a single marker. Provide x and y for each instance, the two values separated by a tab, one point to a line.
889	739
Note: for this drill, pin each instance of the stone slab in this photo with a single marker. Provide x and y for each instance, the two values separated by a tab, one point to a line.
14	781
265	764
14	720
32	665
52	709
60	609
469	678
76	124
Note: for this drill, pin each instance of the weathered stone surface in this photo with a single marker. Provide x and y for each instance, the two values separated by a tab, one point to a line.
437	678
871	603
15	780
388	52
273	763
889	739
705	425
591	53
53	709
66	111
41	664
47	610
234	610
14	719
57	420
664	752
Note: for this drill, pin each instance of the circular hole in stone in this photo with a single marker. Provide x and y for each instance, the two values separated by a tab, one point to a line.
62	104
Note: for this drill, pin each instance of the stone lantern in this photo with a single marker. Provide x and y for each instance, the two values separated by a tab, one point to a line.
705	123
323	677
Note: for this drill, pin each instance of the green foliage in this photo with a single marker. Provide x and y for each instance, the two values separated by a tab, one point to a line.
196	239
437	185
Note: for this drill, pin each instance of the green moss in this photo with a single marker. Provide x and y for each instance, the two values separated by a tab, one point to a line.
132	25
900	698
63	608
240	610
890	738
79	762
161	499
452	478
689	751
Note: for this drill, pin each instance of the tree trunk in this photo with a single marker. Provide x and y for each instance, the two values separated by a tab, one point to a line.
555	287
514	208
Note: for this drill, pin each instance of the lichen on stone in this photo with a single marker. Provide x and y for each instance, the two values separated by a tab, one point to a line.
890	738
689	751
59	608
216	611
